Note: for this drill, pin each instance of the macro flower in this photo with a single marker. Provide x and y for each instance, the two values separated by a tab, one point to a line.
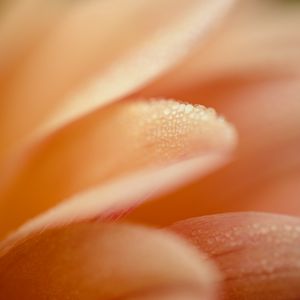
136	136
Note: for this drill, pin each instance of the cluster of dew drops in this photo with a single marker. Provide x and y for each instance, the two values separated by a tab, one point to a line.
169	124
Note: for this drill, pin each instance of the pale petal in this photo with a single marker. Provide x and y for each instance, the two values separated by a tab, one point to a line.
122	44
266	113
120	140
258	90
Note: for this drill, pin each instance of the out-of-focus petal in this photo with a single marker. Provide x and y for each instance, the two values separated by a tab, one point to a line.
260	37
101	149
23	24
121	44
258	253
104	261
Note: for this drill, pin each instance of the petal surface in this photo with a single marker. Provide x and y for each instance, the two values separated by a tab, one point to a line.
104	261
251	75
23	24
258	38
258	253
97	153
98	52
265	172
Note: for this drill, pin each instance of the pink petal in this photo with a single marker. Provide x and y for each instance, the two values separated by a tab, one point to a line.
258	253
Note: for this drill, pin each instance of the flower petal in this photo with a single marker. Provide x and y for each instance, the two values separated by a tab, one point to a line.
264	174
259	38
100	150
255	84
23	24
121	44
258	253
104	261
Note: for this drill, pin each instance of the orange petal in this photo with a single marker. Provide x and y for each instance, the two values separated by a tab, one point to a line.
120	140
23	24
121	44
104	261
258	253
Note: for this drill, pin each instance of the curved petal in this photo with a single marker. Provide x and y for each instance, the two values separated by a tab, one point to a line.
255	84
97	261
260	38
123	139
258	253
266	114
122	44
